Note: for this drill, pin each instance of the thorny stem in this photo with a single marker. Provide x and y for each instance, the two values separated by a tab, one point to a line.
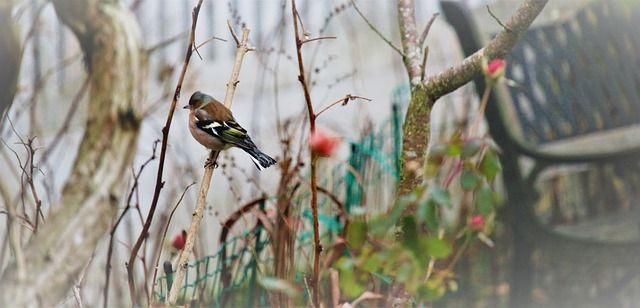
163	152
314	160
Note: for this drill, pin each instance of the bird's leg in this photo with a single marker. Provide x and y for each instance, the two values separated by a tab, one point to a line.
210	163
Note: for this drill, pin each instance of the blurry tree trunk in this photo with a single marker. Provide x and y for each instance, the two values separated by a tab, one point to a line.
111	42
10	55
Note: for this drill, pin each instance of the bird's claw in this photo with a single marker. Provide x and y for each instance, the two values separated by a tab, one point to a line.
210	164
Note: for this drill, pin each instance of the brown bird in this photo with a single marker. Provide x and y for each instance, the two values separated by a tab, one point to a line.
212	125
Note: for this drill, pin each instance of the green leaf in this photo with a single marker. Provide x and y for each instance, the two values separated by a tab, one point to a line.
428	213
410	233
357	233
435	247
469	179
349	282
485	201
470	148
454	149
490	165
373	263
440	195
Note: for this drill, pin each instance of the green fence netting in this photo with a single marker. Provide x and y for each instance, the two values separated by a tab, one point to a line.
230	274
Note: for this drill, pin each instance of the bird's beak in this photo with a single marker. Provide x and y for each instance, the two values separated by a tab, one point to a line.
185	107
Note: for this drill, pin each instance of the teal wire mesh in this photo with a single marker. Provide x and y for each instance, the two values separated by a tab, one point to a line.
374	162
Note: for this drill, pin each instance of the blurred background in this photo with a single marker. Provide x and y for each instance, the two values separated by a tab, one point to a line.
50	104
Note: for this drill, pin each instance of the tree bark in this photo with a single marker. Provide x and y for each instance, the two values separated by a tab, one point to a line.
111	42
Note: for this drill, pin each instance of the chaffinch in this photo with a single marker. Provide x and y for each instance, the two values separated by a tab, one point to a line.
213	125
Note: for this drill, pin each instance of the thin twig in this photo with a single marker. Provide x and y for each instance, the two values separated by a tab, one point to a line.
425	57
163	152
319	38
164	233
134	187
67	121
372	27
166	42
196	48
505	27
233	33
344	102
425	32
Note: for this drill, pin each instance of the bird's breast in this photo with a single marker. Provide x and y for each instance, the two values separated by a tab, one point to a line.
205	139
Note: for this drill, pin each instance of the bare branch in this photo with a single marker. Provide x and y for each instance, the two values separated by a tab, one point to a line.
457	76
233	33
409	39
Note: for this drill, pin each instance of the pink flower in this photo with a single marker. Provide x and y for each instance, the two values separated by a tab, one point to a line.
476	222
495	68
179	240
323	143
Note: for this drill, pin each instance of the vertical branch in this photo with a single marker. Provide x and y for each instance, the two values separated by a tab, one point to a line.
198	213
317	248
410	40
163	152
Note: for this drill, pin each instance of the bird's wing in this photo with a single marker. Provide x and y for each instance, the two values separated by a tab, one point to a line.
229	131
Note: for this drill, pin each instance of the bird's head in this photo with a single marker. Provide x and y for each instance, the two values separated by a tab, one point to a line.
198	100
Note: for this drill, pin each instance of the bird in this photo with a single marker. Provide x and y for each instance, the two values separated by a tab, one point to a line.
213	125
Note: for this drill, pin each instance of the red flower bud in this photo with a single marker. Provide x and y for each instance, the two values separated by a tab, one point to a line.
476	222
179	240
323	143
495	68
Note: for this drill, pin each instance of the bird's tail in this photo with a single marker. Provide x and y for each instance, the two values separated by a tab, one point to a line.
261	160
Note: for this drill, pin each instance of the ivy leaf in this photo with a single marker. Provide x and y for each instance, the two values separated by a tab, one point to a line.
469	179
485	201
490	165
436	247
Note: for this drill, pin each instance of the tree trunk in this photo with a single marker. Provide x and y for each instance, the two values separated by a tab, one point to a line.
416	129
111	42
10	55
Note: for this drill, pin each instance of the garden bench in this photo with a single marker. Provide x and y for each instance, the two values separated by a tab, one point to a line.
569	132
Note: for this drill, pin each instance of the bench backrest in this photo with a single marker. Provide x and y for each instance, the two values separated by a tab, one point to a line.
574	76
